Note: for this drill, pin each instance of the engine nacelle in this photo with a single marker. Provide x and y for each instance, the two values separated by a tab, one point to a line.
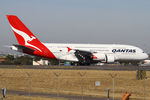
110	58
98	56
106	58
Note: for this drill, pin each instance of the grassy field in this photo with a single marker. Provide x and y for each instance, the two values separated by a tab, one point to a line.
74	82
17	97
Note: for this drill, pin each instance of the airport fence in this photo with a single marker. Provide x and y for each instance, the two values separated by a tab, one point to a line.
29	84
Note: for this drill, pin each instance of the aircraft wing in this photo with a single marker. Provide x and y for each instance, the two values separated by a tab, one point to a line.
84	57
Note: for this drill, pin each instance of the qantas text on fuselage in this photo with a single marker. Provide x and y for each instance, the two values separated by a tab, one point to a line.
83	54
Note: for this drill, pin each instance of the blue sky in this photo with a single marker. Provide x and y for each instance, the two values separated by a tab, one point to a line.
80	21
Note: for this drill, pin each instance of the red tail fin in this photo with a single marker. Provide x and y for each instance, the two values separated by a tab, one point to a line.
20	30
26	38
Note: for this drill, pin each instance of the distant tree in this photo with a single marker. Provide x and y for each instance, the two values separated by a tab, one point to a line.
23	60
26	60
9	59
53	62
37	58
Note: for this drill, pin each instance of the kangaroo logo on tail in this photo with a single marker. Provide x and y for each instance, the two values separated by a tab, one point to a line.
26	38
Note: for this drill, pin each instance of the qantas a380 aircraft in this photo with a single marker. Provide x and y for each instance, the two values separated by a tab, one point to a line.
83	54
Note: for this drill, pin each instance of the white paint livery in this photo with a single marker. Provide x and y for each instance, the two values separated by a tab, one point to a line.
102	52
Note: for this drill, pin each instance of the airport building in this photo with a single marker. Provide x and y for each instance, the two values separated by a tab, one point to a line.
41	62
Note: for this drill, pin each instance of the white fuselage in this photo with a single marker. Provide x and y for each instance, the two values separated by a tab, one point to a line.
119	52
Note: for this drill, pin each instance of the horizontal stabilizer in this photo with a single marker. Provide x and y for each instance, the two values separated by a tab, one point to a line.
24	49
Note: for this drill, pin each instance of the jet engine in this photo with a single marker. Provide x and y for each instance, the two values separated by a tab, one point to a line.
110	58
106	58
98	57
